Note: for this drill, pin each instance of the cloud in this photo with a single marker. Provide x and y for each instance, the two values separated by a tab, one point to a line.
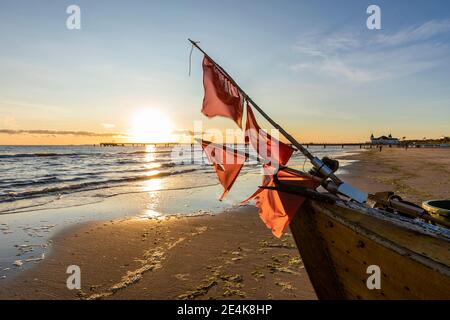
108	125
38	106
340	69
183	132
8	122
360	58
80	133
57	132
320	45
413	34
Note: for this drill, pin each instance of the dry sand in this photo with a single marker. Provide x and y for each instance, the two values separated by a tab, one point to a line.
227	256
416	174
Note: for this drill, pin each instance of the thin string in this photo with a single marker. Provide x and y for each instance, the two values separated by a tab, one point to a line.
190	57
304	162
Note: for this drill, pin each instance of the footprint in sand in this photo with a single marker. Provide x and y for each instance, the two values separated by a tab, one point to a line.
199	230
182	276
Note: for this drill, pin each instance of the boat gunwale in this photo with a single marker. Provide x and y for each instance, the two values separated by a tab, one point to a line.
383	241
401	221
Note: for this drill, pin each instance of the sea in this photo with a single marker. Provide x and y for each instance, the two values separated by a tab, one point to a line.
47	189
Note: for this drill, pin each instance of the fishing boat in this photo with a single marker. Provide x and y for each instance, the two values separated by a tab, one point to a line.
354	245
339	242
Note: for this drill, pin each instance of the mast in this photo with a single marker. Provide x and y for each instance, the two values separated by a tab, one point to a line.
338	185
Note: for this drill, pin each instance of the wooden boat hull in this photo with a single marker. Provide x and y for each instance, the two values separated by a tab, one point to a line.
338	243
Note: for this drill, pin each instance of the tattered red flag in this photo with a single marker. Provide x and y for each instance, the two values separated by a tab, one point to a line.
277	208
227	163
273	151
222	98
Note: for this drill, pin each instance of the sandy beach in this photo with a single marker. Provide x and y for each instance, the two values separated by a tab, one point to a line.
225	256
230	255
416	174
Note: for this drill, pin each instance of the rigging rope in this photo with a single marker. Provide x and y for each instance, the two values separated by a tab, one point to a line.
190	57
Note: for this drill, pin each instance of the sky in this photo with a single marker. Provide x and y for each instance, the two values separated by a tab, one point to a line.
313	66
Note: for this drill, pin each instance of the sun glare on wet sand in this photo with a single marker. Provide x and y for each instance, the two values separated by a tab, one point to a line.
150	126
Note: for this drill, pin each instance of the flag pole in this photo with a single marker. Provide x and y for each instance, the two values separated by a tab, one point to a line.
339	185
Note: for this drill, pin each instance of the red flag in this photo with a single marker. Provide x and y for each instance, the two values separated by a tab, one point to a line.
227	163
222	98
277	208
273	151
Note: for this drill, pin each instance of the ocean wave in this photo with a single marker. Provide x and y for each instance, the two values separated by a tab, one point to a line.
42	155
139	160
93	154
86	186
115	171
11	183
24	183
127	161
44	205
146	152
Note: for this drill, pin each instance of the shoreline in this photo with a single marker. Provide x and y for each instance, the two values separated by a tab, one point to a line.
230	255
29	225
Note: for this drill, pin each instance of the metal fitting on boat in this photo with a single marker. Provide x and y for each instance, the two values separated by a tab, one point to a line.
321	168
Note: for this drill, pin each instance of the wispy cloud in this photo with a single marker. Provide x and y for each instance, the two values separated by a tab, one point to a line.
360	58
59	132
80	133
414	34
31	105
108	125
8	122
183	132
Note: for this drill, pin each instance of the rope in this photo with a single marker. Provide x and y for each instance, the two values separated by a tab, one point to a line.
190	57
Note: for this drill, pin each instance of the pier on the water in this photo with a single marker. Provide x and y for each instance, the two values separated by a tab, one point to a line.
171	144
361	145
342	145
137	144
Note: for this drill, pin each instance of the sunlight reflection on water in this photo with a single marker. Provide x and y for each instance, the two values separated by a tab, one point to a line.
151	214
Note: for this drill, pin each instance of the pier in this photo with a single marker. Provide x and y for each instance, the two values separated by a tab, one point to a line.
341	144
172	144
138	144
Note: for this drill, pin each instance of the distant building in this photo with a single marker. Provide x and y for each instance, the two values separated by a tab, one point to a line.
383	140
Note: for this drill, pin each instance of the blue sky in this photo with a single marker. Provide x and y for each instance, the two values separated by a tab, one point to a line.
312	65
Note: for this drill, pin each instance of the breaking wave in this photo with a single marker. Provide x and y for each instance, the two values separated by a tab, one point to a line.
85	186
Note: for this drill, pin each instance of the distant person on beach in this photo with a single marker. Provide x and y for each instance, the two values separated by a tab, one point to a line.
381	148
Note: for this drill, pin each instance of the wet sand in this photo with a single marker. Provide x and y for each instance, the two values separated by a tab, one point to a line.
226	256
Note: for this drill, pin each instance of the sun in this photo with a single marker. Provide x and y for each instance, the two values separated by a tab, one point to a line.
150	125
